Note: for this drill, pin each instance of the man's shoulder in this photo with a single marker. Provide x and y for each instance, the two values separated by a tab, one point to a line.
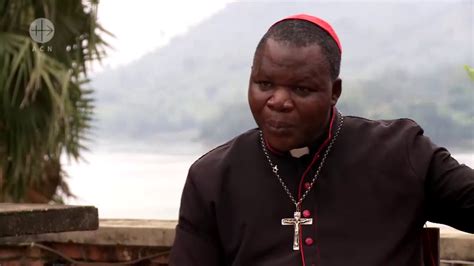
229	151
381	124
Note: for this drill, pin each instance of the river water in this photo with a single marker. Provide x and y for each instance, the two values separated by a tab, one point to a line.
139	185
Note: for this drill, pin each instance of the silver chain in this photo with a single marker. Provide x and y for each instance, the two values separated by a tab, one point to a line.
316	175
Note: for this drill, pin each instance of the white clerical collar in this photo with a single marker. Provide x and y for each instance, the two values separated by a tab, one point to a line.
297	153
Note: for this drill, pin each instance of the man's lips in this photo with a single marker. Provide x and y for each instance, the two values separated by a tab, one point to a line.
278	126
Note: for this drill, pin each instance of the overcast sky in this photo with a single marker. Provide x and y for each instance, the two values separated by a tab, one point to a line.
143	25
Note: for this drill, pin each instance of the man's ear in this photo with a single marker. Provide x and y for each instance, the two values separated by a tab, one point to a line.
336	91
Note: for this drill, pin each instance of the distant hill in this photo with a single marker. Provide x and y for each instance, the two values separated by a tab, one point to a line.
399	60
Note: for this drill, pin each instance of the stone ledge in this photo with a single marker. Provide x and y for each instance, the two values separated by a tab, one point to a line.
457	246
454	245
26	219
111	232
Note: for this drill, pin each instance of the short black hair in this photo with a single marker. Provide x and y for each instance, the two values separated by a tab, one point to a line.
302	33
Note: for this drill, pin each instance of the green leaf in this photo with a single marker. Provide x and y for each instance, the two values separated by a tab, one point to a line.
470	72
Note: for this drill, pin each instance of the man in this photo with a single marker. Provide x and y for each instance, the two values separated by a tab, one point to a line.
310	186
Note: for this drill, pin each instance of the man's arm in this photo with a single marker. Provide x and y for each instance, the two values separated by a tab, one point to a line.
196	240
449	186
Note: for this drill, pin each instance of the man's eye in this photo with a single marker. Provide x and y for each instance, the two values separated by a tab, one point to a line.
264	84
302	90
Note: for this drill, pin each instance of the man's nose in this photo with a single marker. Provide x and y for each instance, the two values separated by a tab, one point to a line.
281	100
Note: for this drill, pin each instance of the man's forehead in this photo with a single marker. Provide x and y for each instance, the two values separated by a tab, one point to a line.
301	63
291	45
286	54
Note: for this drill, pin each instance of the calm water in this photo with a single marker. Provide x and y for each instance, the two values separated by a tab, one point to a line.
130	185
139	185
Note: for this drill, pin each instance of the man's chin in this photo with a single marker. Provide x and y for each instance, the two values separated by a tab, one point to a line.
280	143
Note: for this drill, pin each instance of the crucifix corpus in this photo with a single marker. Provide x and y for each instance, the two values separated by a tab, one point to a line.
296	222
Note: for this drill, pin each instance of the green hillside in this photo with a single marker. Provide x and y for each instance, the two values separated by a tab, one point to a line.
399	60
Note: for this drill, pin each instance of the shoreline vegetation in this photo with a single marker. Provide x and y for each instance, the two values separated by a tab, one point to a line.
391	68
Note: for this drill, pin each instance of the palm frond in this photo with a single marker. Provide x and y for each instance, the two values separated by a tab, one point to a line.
45	108
470	72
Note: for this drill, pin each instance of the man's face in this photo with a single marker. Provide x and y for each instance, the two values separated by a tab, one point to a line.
291	94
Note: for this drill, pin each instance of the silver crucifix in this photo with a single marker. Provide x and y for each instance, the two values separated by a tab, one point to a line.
296	222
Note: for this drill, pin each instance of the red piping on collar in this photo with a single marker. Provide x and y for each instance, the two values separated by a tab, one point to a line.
316	155
315	158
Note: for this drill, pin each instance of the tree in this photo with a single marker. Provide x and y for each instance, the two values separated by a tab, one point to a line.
45	108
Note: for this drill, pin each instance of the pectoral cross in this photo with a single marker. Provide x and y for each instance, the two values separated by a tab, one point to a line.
296	222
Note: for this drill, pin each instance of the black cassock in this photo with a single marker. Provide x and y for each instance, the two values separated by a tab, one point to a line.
381	181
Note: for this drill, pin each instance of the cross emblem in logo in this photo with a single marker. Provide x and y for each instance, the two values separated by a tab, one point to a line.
41	30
